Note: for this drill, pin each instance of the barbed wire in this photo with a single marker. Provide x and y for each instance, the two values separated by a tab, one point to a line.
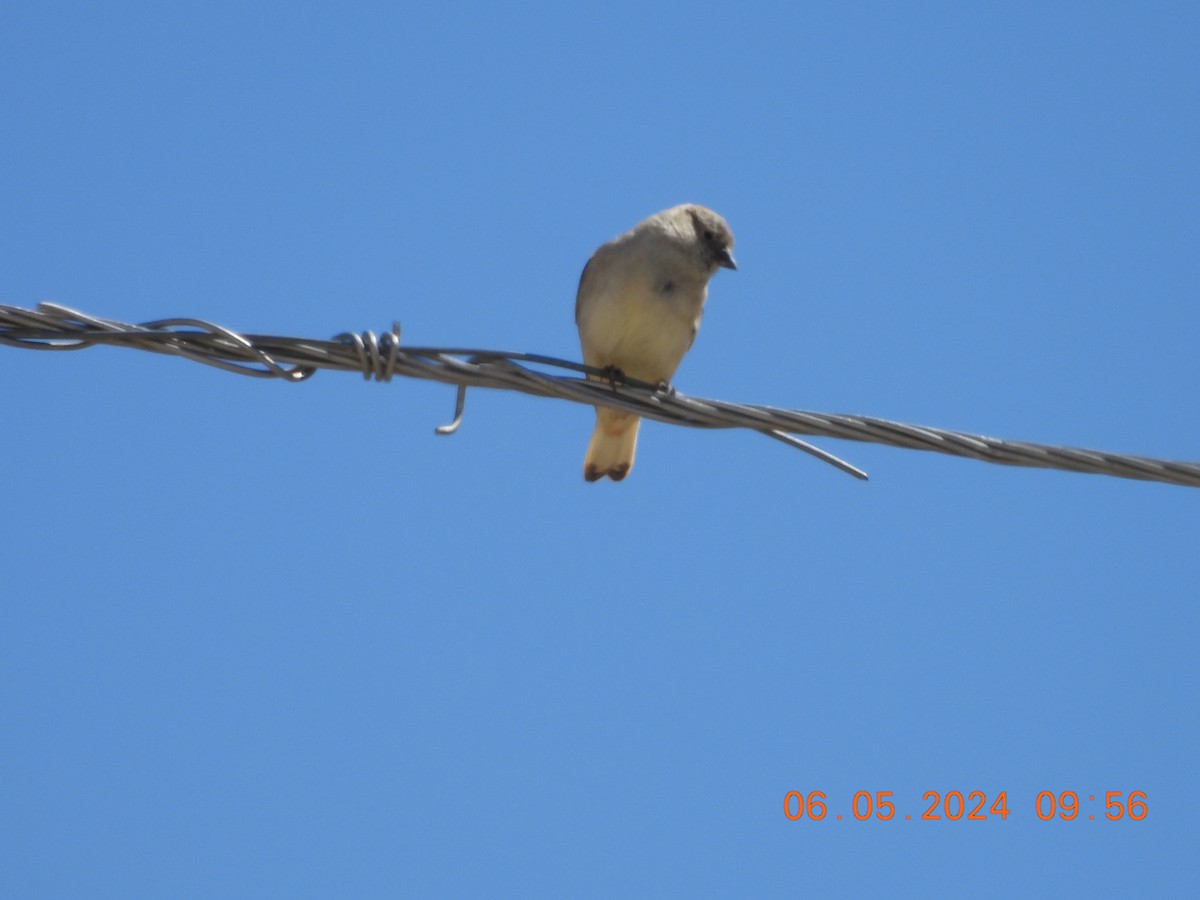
55	327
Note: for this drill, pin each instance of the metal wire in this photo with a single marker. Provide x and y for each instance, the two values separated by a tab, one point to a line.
55	327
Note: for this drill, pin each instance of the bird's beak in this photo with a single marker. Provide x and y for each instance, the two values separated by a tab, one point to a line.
725	260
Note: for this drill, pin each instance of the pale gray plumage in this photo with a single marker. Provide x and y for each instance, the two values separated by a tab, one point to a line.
639	305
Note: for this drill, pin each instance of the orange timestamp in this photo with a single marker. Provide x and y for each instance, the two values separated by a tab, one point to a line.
972	806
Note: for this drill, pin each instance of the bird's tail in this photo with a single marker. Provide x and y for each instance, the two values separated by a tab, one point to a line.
613	444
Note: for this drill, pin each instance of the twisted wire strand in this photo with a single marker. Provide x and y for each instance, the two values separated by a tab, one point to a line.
55	327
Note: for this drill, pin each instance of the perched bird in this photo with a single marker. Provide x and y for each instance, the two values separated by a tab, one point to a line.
638	308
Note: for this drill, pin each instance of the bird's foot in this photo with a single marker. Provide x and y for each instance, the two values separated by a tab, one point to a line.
613	376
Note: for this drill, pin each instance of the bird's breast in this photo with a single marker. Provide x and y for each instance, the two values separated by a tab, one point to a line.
643	329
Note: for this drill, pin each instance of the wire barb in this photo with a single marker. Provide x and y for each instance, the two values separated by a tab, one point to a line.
460	402
55	327
376	357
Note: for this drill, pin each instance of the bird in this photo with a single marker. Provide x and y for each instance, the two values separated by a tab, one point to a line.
638	308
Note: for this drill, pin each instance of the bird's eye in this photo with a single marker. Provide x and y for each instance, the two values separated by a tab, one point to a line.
708	234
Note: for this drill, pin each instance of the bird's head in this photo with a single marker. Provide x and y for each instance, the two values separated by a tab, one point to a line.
714	240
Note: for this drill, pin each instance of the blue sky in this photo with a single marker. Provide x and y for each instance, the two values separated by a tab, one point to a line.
259	638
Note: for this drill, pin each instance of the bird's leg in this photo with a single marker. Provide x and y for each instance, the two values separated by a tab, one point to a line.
665	387
613	376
